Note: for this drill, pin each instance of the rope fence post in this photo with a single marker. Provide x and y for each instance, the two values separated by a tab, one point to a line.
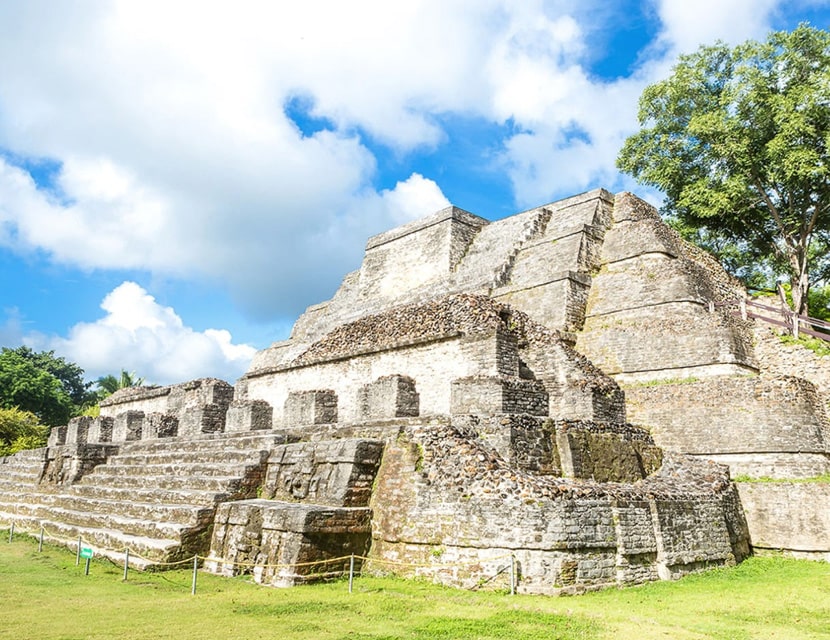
351	572
126	563
40	540
11	532
195	567
78	554
512	575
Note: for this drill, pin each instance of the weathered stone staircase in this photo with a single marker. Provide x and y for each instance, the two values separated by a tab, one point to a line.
314	512
157	497
478	271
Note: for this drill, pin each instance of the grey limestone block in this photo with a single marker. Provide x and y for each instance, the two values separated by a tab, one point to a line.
128	426
57	437
490	394
77	430
317	406
392	396
160	425
208	418
249	415
100	430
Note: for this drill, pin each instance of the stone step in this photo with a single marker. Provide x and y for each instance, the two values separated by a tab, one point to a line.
188	496
107	543
186	470
217	484
108	521
13	478
244	456
209	442
25	456
22	465
190	514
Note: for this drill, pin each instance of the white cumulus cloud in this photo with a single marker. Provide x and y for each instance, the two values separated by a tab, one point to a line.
151	340
176	155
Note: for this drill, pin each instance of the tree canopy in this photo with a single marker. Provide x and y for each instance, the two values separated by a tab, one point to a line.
109	384
27	386
20	430
737	139
69	374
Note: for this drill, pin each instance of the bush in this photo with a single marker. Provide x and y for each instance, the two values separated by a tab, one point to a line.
20	430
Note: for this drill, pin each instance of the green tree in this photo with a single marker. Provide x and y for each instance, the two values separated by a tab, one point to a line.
20	430
25	386
737	139
70	375
109	384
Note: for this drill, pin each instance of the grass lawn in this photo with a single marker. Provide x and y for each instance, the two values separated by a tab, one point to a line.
45	596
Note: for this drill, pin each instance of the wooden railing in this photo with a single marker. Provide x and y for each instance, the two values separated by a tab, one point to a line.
780	315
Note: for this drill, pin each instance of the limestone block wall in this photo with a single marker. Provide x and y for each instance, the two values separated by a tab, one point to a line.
762	425
558	303
416	254
587	450
150	399
175	399
68	463
605	452
433	502
430	365
647	313
316	511
551	275
335	472
459	351
389	397
788	516
282	544
777	358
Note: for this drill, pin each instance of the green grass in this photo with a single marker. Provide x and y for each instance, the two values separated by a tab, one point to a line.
45	596
816	345
664	381
822	479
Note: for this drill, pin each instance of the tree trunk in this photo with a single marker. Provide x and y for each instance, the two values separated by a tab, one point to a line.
800	281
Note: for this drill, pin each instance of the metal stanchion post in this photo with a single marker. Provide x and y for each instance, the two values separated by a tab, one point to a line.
11	532
512	575
195	566
126	563
40	540
351	572
78	555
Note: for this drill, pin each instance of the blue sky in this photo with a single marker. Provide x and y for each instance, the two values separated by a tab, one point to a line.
179	180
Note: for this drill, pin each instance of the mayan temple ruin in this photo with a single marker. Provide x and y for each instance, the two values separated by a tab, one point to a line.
570	387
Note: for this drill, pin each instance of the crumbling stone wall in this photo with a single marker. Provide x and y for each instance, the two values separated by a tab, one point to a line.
317	511
174	400
773	425
788	515
439	490
647	315
778	358
465	354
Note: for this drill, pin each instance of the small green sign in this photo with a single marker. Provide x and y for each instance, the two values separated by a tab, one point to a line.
86	552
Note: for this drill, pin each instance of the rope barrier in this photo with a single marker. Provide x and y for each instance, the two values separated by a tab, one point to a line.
130	554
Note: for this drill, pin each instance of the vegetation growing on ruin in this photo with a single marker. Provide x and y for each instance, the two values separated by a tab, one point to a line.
664	381
816	345
46	596
20	430
737	138
825	477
